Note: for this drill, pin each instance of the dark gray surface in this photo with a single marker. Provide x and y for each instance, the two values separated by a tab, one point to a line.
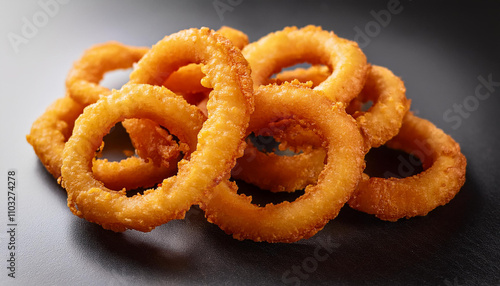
439	50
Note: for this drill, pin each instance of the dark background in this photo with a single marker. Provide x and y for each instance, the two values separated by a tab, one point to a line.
439	49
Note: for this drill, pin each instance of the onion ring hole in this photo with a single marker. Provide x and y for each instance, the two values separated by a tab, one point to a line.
385	162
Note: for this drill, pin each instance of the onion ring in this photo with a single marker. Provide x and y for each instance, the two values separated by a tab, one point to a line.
302	218
186	81
443	176
230	101
90	199
310	44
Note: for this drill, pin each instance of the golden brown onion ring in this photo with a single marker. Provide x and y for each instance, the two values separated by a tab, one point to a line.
310	44
302	218
186	81
90	199
226	72
443	176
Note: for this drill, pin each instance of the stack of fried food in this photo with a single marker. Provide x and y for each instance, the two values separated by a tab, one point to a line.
189	107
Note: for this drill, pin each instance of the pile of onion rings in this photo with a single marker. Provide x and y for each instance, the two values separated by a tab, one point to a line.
199	107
